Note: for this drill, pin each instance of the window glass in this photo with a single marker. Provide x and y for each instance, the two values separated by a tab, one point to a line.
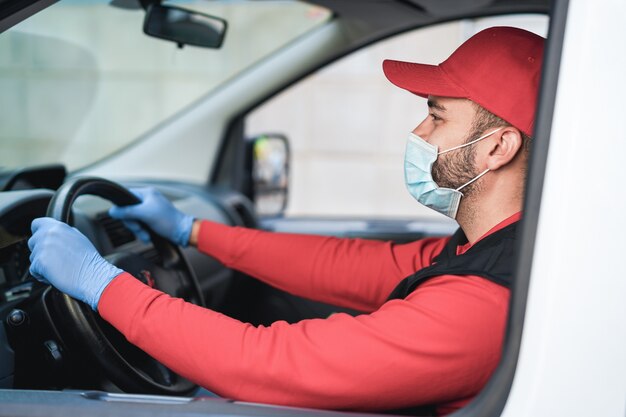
80	80
347	125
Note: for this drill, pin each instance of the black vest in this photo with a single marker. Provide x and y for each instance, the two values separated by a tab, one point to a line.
491	257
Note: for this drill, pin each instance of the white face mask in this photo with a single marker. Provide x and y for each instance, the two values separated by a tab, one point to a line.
418	163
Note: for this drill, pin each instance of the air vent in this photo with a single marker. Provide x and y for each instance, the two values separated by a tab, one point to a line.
116	231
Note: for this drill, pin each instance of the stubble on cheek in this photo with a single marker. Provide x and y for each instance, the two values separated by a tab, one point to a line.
452	171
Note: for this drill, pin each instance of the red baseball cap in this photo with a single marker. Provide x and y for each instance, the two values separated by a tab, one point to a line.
498	68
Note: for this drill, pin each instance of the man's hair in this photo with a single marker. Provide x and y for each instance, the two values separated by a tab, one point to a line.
484	119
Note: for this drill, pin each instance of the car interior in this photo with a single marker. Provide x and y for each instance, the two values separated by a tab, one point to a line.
51	343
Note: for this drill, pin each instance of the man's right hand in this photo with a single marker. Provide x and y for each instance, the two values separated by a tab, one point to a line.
156	212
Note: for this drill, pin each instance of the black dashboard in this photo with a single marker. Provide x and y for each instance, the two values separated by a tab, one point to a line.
28	334
19	208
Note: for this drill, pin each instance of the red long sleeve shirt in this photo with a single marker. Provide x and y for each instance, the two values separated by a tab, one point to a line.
438	346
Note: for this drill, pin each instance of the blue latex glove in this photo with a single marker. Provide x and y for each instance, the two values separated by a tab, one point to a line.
64	257
156	212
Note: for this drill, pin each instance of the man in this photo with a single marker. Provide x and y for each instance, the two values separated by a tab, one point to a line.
435	309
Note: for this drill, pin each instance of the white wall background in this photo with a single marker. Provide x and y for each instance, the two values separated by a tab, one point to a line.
347	125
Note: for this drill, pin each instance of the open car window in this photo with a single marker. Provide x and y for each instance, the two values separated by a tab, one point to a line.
347	125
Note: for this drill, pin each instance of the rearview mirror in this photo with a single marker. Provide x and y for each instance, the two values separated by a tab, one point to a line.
185	27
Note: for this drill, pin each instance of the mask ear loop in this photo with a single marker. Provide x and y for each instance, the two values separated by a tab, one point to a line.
471	143
471	181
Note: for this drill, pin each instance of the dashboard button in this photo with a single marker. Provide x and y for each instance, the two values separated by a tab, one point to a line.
17	318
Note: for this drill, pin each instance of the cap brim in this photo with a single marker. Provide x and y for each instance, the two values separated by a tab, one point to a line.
422	79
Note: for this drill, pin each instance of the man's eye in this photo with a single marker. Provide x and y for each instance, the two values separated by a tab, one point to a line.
435	117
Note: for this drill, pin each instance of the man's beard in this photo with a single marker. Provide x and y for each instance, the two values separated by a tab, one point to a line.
455	169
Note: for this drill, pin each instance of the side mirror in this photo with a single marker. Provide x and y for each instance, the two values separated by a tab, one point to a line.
270	174
185	27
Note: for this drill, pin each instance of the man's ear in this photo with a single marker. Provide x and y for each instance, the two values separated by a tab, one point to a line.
505	145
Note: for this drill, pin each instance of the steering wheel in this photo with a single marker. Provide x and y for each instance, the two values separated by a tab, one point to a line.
124	364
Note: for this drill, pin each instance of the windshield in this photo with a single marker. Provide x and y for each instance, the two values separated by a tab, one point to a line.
80	80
